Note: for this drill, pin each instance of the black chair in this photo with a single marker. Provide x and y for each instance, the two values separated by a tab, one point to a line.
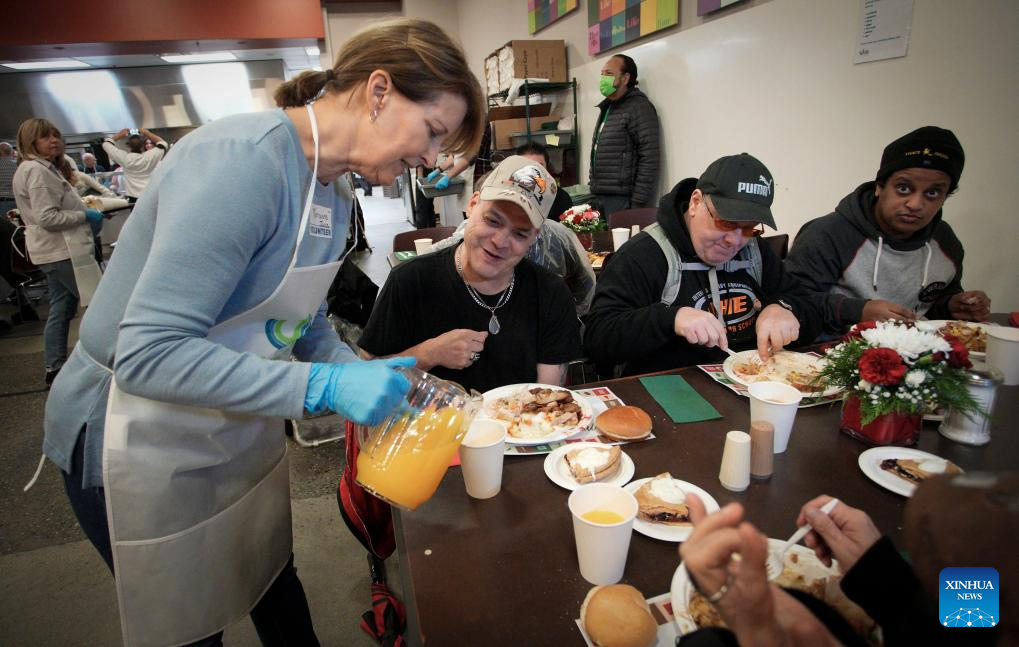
27	280
779	243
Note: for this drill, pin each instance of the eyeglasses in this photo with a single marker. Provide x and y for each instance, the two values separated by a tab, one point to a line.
749	231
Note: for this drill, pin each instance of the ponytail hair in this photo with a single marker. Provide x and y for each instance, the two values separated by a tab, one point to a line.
422	61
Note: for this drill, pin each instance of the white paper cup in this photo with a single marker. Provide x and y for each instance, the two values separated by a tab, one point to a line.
619	236
481	457
734	474
776	403
422	245
1003	352
602	548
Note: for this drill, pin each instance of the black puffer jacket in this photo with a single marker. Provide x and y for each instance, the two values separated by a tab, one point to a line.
625	161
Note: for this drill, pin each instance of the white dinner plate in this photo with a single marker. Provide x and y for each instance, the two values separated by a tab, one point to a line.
870	464
559	472
934	325
664	531
730	372
806	563
560	433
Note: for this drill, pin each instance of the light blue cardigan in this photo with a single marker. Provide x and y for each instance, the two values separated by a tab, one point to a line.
211	238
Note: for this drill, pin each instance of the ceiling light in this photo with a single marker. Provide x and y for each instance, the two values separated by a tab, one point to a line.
207	57
312	51
55	64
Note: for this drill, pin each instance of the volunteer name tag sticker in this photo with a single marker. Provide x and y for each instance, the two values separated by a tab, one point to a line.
321	223
968	597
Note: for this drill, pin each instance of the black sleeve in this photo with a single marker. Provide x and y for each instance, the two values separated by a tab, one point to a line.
645	135
386	332
558	326
779	287
561	203
950	244
815	263
627	318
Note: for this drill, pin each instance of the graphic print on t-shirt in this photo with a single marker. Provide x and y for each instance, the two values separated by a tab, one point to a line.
739	303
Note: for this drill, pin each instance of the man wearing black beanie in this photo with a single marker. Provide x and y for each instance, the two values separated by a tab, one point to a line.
885	252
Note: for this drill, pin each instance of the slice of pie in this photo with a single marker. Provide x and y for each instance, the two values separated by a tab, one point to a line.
661	500
915	471
589	464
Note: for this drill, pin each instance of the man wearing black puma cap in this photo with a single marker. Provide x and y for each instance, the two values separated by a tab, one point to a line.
885	252
698	280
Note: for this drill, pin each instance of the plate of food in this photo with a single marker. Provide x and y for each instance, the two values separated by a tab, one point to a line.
802	571
662	512
901	469
597	259
537	413
577	464
799	370
973	334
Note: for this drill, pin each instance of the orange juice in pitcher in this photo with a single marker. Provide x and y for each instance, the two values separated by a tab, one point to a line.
403	459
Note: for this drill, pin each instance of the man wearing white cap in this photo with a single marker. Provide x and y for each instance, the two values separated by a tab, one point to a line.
480	314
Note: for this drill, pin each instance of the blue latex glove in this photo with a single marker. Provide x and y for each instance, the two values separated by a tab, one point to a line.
93	215
434	174
364	392
443	182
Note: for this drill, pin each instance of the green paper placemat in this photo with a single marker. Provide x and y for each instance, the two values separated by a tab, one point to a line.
402	256
679	399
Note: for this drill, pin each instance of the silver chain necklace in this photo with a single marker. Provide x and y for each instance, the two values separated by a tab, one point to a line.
493	323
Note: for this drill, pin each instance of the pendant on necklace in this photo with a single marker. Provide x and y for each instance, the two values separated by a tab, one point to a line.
493	325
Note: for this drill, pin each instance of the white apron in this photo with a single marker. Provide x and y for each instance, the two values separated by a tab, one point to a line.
83	261
198	500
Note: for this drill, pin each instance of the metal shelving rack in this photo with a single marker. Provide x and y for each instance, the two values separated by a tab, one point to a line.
568	175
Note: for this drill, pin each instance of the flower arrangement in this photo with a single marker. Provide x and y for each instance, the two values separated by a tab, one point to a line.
582	218
895	368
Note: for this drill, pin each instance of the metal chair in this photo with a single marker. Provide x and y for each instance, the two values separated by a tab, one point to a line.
629	217
404	241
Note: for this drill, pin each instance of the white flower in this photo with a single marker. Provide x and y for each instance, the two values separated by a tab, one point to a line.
864	385
915	377
906	341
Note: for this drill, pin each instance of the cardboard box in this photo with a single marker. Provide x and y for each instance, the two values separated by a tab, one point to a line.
516	112
531	59
504	129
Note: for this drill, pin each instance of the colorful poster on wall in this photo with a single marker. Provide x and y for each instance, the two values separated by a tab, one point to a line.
542	13
710	6
612	23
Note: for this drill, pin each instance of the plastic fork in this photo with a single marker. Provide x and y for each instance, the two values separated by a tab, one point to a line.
776	558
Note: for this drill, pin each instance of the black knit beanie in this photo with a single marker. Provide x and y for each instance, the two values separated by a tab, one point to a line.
928	147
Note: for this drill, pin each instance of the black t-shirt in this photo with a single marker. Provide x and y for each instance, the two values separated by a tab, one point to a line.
425	297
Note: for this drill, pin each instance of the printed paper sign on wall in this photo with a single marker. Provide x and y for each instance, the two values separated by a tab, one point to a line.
705	7
612	23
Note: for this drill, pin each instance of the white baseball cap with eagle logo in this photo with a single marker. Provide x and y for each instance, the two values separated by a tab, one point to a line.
523	182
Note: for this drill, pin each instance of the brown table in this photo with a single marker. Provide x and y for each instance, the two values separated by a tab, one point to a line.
504	571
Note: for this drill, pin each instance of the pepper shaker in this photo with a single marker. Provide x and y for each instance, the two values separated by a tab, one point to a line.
762	449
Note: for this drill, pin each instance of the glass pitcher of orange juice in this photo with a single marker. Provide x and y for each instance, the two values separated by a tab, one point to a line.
404	457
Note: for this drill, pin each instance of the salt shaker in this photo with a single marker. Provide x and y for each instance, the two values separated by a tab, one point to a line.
634	230
974	428
762	449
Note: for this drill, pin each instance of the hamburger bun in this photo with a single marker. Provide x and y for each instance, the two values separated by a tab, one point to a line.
618	616
624	423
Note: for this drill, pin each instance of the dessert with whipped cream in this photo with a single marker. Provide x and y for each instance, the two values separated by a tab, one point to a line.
593	462
662	500
916	471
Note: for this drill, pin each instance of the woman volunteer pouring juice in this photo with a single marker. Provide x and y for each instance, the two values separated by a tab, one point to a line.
167	418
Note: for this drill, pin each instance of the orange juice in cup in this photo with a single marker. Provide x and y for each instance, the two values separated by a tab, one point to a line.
403	459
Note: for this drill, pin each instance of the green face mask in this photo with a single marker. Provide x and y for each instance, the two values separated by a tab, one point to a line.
607	85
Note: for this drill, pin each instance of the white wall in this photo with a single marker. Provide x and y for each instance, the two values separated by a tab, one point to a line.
776	79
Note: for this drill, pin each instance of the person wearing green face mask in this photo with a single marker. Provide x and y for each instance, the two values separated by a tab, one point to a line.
623	168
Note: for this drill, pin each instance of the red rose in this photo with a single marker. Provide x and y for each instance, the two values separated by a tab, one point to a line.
854	332
881	366
958	357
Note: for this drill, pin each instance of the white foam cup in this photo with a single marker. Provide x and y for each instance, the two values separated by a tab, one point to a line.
776	403
602	548
734	473
481	455
619	236
1003	352
422	245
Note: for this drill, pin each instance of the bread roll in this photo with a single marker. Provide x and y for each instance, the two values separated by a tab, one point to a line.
618	616
624	423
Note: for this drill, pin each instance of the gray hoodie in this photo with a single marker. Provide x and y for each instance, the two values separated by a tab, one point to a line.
844	260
